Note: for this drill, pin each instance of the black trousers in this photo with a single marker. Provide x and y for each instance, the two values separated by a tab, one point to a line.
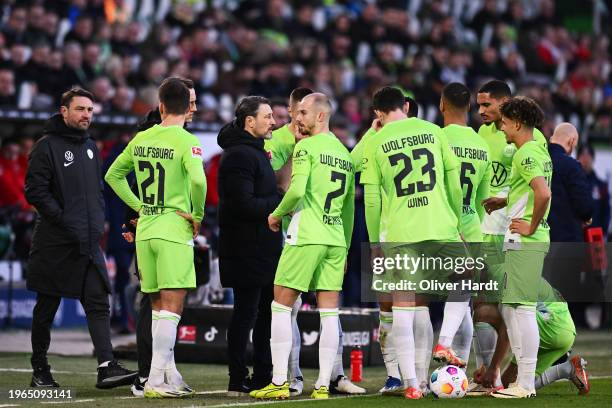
144	338
251	311
95	303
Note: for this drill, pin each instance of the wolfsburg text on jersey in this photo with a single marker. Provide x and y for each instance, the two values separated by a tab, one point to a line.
154	152
407	141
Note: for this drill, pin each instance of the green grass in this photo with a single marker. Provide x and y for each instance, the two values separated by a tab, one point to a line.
206	378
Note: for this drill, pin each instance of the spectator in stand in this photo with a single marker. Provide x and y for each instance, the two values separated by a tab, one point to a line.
12	176
279	112
598	189
8	96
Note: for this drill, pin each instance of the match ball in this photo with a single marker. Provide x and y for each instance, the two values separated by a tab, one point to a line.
448	382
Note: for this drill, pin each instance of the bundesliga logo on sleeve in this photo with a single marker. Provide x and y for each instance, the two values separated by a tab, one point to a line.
196	152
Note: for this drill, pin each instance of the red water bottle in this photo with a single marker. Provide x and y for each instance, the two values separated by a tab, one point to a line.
356	364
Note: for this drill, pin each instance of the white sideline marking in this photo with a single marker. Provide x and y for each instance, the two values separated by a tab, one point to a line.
9	405
285	401
29	370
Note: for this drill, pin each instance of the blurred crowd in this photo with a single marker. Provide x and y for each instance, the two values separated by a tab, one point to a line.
122	49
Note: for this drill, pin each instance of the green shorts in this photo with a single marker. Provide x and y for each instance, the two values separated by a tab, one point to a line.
556	339
311	267
522	274
165	265
436	265
492	251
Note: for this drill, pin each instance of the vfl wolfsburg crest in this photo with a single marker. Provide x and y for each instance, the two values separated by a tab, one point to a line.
500	174
300	153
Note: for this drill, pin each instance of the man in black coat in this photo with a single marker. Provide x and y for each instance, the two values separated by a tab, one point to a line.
572	205
64	184
248	250
571	208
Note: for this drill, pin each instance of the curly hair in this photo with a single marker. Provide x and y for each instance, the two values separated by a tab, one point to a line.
523	110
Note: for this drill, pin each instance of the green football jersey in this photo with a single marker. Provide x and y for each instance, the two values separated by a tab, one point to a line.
530	161
359	149
408	159
280	147
501	153
318	218
358	155
475	175
167	161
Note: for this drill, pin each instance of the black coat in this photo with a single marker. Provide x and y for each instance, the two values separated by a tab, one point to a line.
248	249
64	184
571	202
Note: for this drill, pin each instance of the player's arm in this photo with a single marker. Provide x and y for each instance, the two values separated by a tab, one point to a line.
372	197
39	179
115	177
373	206
452	180
348	212
299	179
237	176
482	192
192	163
532	173
541	198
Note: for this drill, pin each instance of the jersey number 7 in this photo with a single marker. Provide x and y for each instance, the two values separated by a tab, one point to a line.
335	176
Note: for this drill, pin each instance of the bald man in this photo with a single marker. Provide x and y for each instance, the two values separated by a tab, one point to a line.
321	198
572	204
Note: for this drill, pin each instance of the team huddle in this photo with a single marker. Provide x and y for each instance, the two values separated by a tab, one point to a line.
428	191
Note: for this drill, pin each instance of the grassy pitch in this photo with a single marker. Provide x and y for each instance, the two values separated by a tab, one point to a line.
210	381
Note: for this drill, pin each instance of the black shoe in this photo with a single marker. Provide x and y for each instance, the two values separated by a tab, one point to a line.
138	387
41	377
240	389
115	375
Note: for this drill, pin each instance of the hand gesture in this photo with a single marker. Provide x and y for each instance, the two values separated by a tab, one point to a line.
195	224
493	204
274	223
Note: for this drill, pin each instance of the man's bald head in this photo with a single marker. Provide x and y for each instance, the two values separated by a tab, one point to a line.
566	135
314	112
320	102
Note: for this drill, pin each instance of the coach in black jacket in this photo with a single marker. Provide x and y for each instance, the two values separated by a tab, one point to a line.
571	204
571	207
248	250
64	184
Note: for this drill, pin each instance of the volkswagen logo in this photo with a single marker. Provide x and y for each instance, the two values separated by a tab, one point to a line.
500	174
69	156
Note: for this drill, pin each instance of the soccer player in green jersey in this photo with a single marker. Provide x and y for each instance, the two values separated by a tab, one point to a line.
393	383
314	257
527	239
486	311
475	175
280	146
168	164
473	155
280	149
413	198
557	334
